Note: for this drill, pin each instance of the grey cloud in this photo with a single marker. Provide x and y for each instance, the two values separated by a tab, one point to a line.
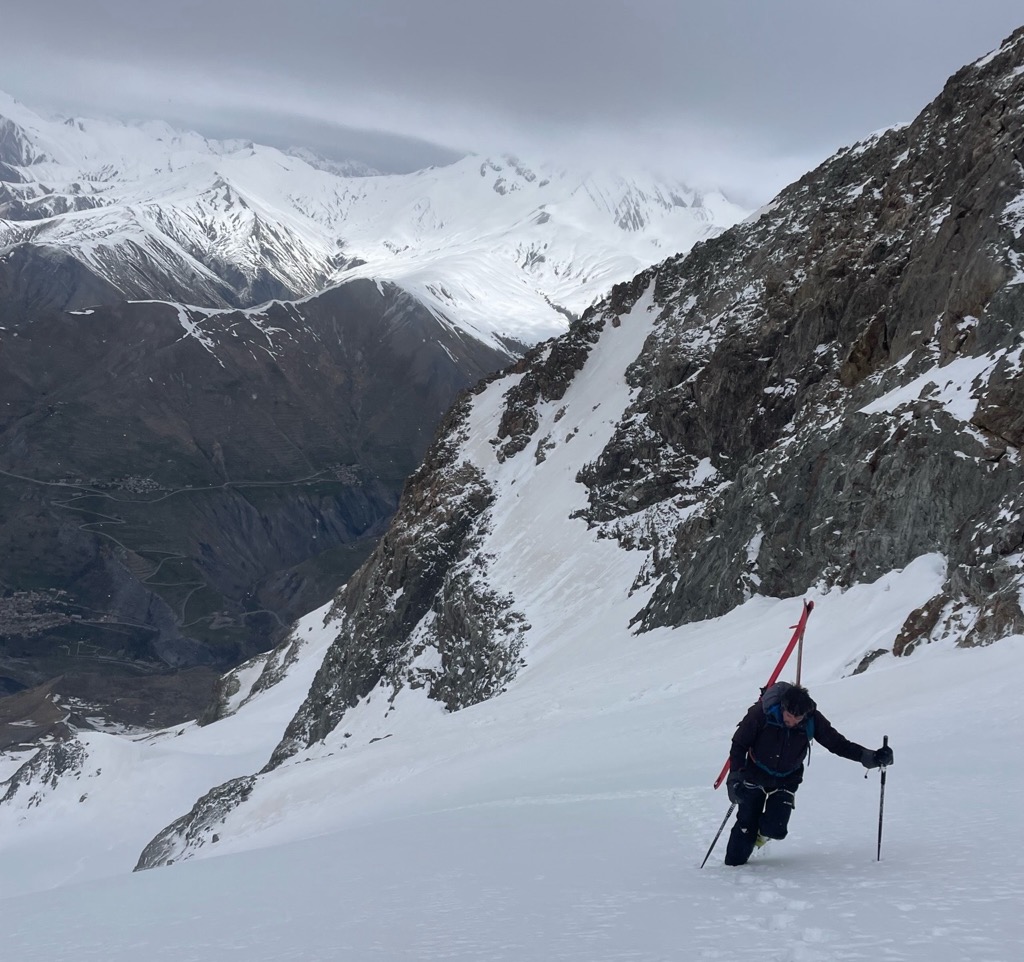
721	82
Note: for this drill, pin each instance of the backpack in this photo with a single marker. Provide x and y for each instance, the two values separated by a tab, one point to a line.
771	704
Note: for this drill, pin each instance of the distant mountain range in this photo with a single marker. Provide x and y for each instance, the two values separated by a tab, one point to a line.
220	361
497	248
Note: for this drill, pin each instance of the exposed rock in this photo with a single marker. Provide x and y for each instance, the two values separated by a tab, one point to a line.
197	828
423	590
919	625
64	758
42	280
273	667
549	369
895	258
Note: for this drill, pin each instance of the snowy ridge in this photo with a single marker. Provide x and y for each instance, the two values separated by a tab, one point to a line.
496	247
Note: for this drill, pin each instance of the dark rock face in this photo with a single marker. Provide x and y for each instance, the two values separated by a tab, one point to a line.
176	485
196	829
423	592
547	372
896	259
273	667
36	281
64	759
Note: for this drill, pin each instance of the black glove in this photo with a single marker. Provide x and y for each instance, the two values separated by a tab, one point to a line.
877	758
734	786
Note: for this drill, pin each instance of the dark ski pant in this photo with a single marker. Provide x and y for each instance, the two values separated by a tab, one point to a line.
760	811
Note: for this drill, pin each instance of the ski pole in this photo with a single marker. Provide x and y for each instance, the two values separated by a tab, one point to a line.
719	835
881	803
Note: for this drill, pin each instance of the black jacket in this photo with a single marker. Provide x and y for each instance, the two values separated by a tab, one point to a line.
763	745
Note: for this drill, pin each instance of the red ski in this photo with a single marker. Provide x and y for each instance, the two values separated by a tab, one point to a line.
798	633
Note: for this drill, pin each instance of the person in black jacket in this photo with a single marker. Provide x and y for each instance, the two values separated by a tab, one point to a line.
766	763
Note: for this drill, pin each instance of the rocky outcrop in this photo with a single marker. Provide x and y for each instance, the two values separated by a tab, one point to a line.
62	759
230	693
420	612
197	828
767	407
548	370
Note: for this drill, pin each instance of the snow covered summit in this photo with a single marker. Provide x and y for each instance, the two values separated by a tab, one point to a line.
497	248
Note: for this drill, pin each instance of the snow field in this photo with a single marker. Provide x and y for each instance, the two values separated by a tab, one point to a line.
567	820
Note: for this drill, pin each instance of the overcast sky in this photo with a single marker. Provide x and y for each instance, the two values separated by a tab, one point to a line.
745	93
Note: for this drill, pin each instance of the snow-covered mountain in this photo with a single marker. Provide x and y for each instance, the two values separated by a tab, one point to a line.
102	224
499	740
497	248
796	405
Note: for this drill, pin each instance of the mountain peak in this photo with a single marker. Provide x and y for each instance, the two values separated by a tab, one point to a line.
498	248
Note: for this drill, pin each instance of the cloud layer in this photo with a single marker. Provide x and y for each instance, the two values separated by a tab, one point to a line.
746	91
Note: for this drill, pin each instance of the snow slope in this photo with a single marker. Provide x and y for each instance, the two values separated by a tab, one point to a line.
567	818
96	824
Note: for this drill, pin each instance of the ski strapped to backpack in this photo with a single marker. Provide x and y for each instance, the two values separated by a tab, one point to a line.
798	634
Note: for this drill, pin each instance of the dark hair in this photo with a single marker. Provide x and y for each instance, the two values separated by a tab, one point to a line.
797	701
